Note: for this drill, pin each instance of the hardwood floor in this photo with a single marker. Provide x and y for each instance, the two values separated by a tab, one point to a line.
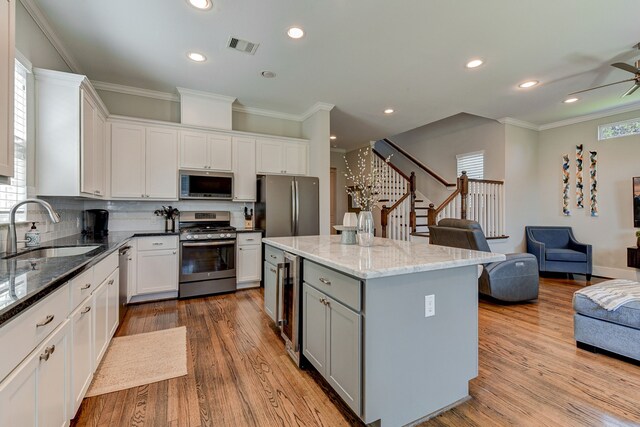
530	372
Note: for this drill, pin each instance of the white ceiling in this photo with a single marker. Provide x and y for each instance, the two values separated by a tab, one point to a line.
365	55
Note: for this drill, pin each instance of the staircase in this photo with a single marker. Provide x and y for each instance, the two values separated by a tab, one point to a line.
406	211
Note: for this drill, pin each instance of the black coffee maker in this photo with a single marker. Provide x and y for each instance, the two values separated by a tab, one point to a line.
96	223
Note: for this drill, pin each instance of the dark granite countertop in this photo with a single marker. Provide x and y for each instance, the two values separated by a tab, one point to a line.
24	282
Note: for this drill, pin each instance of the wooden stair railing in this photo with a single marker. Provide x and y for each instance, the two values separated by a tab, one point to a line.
418	163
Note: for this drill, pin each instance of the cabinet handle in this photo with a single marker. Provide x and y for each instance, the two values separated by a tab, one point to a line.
46	321
142	195
273	256
174	252
47	353
239	249
85	287
97	191
325	281
250	240
322	300
86	310
327	303
111	282
157	244
272	270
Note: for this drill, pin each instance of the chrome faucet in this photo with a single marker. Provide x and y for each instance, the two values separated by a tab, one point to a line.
12	240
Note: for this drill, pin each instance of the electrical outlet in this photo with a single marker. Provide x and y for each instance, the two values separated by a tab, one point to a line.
429	305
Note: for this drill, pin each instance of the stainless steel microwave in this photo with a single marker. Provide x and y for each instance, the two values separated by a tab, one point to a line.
206	185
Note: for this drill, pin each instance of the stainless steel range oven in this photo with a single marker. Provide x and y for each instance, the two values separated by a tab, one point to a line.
207	253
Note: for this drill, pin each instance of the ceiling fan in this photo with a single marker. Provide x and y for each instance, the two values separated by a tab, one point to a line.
633	69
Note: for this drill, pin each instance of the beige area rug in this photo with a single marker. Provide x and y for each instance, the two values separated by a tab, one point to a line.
140	359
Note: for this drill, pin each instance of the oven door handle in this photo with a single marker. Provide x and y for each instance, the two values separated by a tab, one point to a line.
222	243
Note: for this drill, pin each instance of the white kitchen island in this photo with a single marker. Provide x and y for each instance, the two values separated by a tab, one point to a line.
393	328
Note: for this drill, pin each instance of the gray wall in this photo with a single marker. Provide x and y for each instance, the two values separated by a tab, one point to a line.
437	145
337	162
612	231
32	43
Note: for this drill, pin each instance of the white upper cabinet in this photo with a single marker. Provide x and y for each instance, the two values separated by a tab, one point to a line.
244	169
7	67
127	160
162	164
70	134
144	162
205	150
281	157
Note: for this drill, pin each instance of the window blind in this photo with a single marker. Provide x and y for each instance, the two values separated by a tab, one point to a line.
472	163
16	191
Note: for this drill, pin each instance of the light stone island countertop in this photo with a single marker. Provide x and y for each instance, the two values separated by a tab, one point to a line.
385	258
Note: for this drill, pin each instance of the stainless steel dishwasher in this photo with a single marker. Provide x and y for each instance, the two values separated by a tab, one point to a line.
123	263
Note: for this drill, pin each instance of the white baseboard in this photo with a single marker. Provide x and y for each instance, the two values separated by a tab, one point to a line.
616	273
248	285
153	297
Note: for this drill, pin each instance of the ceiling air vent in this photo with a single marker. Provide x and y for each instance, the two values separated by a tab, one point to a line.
243	45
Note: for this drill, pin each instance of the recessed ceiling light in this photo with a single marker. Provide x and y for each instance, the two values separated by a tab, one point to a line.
201	4
528	84
570	100
197	57
333	137
295	32
389	111
474	63
268	74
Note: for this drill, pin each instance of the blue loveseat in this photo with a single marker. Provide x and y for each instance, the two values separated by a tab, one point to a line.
557	250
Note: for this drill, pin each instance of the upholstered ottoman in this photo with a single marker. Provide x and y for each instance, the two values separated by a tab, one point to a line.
617	330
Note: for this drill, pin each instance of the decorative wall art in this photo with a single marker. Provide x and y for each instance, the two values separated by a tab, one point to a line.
565	185
593	174
579	178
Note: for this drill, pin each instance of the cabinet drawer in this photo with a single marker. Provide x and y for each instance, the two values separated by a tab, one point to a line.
81	287
104	268
343	288
249	239
27	331
273	255
155	243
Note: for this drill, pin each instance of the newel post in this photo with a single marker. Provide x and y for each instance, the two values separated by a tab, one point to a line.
463	186
431	214
384	220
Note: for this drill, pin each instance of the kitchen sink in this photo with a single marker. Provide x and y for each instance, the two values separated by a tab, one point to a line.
54	252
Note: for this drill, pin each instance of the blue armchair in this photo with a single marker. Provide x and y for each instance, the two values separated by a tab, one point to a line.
557	250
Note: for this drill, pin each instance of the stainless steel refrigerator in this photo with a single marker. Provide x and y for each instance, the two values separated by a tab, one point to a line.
287	205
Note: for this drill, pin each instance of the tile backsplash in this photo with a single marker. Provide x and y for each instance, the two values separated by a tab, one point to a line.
138	215
123	216
70	211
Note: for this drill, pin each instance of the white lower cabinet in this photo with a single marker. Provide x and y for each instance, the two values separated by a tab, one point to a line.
99	319
249	260
81	356
113	303
157	269
35	393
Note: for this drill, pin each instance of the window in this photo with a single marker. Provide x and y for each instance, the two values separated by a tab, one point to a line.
16	188
619	129
472	163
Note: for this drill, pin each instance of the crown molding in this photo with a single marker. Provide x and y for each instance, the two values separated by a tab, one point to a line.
318	106
519	123
130	90
42	22
266	113
208	95
23	60
599	115
338	150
